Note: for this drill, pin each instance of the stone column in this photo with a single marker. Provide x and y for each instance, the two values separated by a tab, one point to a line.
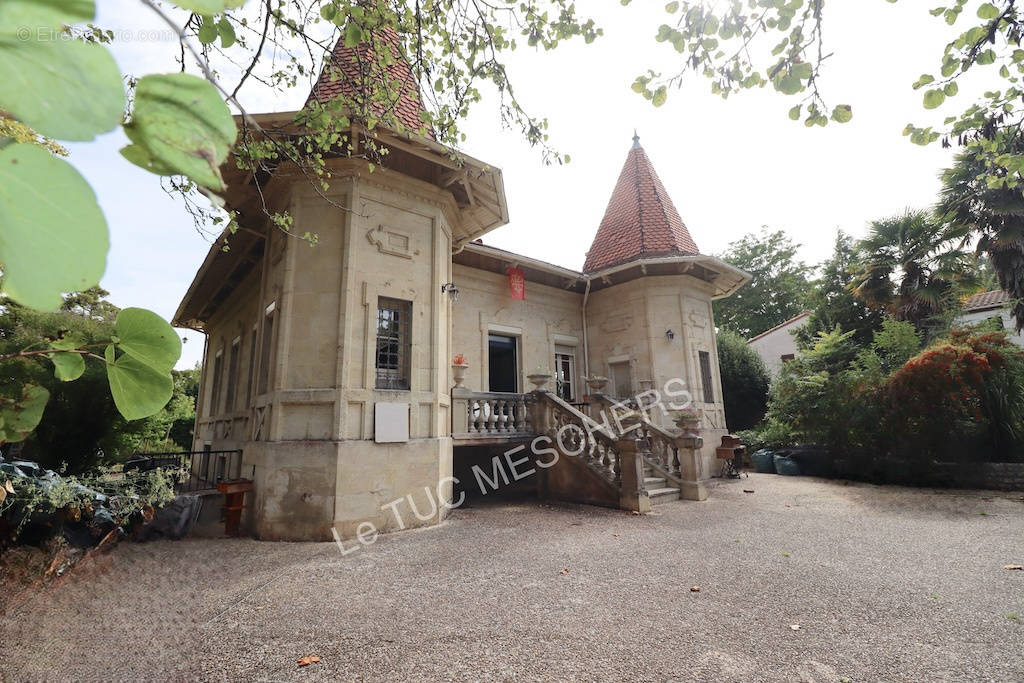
460	410
691	468
540	423
632	494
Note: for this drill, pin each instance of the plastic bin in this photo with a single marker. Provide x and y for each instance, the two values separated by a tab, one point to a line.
786	466
763	461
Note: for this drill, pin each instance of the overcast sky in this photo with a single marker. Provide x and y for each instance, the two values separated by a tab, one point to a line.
730	166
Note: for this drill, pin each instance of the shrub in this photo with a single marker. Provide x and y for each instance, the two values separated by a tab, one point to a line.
745	381
960	399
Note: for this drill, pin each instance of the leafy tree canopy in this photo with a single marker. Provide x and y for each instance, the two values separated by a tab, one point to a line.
992	213
745	381
778	290
832	302
81	425
911	266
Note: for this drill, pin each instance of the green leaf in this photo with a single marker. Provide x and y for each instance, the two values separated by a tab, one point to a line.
988	11
138	390
842	113
227	32
182	127
20	417
794	113
65	89
208	7
788	85
37	14
951	89
67	366
660	96
207	31
54	236
148	338
933	99
353	34
66	342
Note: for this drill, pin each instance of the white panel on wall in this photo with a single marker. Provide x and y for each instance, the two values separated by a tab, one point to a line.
390	422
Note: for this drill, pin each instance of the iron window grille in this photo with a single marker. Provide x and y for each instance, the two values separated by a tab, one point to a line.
394	343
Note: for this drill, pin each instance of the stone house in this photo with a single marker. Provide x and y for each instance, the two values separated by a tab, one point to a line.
330	367
988	305
777	345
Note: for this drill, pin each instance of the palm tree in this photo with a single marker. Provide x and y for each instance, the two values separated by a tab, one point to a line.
992	213
910	265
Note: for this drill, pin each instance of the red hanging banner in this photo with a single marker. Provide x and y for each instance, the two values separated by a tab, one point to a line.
517	283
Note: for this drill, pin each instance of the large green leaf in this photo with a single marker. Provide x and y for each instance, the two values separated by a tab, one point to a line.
138	390
180	125
65	89
37	14
53	237
20	416
67	367
148	338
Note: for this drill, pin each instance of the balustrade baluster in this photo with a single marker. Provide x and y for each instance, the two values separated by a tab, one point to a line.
492	418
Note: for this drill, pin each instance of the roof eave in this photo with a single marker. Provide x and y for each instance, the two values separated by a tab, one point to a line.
735	278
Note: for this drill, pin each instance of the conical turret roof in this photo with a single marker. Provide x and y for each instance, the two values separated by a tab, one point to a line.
352	71
641	221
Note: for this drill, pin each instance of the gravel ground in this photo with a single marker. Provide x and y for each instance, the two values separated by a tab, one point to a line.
885	584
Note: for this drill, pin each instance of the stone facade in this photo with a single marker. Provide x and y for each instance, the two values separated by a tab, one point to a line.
292	368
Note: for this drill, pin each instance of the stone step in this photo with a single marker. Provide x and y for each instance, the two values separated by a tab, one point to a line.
663	495
651	482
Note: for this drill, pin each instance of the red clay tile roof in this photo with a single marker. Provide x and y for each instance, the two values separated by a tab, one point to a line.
986	300
351	70
640	220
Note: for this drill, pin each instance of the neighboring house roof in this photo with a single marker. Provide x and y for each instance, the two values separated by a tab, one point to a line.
350	71
987	300
795	318
640	220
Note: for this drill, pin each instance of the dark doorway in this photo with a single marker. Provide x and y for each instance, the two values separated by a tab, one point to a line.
501	362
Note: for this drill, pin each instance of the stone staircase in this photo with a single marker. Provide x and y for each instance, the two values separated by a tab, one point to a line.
659	489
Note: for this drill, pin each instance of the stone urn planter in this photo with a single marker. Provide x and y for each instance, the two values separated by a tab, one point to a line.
539	380
459	367
688	421
597	384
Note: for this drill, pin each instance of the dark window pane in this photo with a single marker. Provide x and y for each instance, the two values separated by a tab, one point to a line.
705	376
394	343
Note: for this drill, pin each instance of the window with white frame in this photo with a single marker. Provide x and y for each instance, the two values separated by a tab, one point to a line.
394	343
565	372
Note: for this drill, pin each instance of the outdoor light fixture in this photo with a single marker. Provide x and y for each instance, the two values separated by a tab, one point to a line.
452	290
670	334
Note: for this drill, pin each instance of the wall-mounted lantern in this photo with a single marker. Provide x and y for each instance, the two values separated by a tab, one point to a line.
670	335
452	291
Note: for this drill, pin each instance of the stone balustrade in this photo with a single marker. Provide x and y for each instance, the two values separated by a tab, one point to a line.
490	414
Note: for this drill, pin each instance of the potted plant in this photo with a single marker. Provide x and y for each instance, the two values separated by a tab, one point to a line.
459	367
597	383
539	378
688	420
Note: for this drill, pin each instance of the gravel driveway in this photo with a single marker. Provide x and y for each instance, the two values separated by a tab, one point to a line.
884	583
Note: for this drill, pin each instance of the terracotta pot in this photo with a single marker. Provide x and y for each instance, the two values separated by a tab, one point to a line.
459	374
